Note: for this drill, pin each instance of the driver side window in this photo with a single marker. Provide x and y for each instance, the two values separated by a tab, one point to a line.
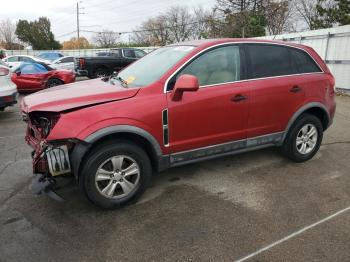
33	68
221	65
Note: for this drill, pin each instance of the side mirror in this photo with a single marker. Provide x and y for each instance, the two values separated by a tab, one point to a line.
18	73
185	83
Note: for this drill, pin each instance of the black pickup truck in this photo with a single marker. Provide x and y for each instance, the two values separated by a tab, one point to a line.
105	63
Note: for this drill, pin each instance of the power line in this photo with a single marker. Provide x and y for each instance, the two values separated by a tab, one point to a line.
70	33
153	29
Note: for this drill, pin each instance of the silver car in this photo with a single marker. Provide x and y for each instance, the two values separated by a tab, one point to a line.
8	90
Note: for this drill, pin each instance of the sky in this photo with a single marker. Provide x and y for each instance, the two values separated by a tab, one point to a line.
116	15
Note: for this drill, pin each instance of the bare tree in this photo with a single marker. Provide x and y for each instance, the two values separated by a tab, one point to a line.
278	16
204	23
7	33
155	31
180	23
106	38
306	10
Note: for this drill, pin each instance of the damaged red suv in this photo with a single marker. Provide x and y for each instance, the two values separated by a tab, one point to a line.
180	104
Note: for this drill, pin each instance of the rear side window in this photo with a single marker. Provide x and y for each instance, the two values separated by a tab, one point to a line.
269	60
32	68
129	53
25	59
67	60
13	59
303	62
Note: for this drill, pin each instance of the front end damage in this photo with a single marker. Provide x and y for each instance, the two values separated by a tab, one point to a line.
51	159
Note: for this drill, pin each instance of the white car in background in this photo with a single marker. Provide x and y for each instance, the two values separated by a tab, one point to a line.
15	60
66	62
8	90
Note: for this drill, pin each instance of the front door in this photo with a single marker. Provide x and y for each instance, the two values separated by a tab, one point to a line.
218	112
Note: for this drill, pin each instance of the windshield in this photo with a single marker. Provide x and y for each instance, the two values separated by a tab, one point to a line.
151	67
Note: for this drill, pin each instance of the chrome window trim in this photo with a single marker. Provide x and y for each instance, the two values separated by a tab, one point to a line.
244	80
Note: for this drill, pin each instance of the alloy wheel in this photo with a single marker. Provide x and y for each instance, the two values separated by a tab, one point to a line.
307	139
117	177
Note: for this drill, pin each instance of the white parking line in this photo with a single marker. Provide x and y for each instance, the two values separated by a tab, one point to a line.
293	235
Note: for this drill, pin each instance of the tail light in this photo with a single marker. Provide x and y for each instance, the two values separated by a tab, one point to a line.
4	71
81	62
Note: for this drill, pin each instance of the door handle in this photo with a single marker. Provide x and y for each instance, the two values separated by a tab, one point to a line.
238	98
296	89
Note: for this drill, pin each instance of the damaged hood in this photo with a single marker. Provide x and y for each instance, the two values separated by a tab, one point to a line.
79	94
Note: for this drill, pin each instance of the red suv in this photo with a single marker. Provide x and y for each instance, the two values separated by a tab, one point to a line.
179	104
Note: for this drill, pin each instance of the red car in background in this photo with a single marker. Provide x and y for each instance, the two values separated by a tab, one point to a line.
31	77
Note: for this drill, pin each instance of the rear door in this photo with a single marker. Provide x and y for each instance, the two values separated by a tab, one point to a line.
278	90
218	111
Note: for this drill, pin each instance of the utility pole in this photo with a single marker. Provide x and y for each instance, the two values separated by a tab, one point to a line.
78	28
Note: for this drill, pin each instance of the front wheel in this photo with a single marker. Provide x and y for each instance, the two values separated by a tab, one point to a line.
115	174
303	139
53	82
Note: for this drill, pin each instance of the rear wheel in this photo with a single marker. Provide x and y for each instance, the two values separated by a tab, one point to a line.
101	72
115	175
54	82
304	138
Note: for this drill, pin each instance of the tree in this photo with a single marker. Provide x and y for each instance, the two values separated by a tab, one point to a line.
37	33
7	34
106	38
204	23
331	13
306	9
179	22
241	18
154	31
73	43
277	15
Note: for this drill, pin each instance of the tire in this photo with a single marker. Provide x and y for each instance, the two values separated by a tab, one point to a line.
104	170
52	82
300	145
101	72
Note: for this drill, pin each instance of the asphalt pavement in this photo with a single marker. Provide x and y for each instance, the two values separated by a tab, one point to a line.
256	206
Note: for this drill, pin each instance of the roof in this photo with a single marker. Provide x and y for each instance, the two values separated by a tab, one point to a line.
210	42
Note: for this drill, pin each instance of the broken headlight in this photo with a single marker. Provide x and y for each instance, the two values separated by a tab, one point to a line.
44	122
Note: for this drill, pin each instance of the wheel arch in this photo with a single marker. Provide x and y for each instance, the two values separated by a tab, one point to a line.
129	133
315	108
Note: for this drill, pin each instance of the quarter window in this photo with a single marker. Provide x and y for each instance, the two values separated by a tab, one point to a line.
303	62
269	60
221	65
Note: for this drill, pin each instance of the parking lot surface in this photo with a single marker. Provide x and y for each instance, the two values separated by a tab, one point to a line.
218	210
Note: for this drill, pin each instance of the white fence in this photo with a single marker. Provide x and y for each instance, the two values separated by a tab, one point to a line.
332	44
76	52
